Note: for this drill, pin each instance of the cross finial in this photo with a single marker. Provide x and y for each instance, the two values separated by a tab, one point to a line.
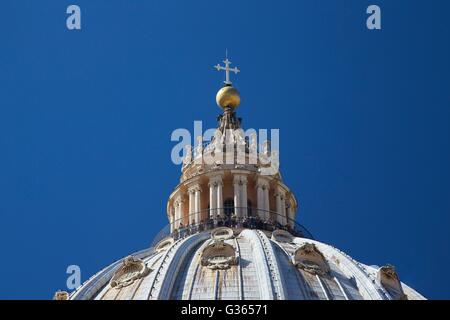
227	69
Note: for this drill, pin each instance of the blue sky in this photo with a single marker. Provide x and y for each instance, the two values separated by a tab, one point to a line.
86	118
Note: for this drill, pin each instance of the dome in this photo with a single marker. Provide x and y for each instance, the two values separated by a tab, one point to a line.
246	264
233	234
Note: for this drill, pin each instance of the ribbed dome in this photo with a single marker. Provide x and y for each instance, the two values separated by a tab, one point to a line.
233	234
252	264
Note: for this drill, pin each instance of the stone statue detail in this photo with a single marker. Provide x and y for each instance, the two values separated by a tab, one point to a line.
188	155
199	148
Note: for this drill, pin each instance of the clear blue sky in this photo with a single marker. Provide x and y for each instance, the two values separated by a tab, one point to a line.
86	118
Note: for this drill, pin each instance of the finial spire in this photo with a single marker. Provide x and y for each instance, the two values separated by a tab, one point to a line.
227	69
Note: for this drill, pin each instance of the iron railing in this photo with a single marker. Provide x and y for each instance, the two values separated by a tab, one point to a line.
252	218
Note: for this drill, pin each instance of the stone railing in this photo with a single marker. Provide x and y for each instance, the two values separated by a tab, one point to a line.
181	228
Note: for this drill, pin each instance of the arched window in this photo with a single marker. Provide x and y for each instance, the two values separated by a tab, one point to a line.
228	207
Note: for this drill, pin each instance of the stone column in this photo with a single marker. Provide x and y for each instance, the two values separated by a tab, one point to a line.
212	199
283	210
266	201
278	206
181	212
220	198
172	218
244	200
215	195
260	200
289	215
281	206
197	204
237	195
262	193
191	192
177	212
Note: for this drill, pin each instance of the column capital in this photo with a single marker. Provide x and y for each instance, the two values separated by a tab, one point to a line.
215	178
263	183
240	179
215	183
194	188
280	191
212	184
180	201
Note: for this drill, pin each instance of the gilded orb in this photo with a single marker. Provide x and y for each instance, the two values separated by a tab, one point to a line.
228	97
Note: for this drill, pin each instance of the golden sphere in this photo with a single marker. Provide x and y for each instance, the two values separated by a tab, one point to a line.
228	97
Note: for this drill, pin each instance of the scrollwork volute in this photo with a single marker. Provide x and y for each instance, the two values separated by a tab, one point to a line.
222	233
164	244
131	270
389	279
61	295
218	256
311	260
282	236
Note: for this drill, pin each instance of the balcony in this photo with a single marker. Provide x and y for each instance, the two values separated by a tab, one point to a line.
226	217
